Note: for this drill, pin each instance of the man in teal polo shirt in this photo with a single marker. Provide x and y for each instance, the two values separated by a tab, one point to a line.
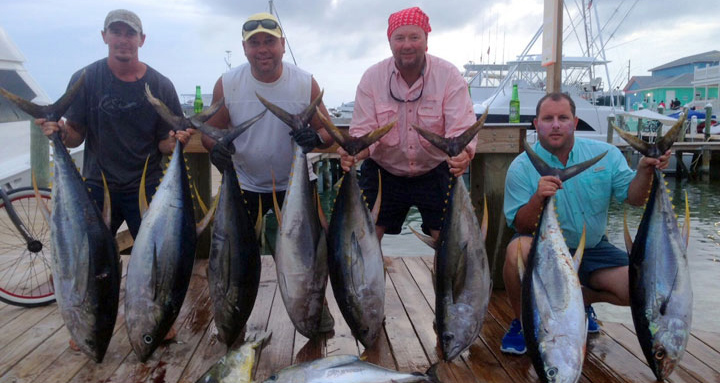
583	200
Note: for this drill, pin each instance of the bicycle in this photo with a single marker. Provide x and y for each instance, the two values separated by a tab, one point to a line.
25	273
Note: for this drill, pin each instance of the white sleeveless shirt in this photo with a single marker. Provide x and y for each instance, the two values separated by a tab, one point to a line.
266	147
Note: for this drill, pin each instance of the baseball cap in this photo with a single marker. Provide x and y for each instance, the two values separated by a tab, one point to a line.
261	22
124	16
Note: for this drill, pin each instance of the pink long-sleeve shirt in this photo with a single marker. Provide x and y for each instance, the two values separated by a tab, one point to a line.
444	108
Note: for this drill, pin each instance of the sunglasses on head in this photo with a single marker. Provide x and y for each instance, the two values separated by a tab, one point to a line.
254	24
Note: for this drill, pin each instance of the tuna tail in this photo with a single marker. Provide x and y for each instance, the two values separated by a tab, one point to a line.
453	145
294	121
563	174
662	144
180	122
51	112
353	145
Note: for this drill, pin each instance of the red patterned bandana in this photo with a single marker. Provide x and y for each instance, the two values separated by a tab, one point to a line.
410	16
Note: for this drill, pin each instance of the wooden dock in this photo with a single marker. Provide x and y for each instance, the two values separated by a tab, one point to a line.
34	342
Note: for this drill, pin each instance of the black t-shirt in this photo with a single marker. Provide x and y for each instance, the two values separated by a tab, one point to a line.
122	128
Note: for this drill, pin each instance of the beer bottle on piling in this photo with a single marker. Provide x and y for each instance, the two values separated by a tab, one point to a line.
198	104
514	111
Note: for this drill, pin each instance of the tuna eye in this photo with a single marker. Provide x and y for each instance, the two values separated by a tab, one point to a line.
660	354
148	339
447	337
552	372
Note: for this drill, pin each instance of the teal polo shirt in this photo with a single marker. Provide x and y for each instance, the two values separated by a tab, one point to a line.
583	199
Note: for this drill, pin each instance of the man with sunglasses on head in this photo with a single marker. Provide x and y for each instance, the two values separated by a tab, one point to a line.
266	149
412	88
262	155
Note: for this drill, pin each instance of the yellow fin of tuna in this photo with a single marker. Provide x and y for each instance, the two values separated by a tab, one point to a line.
142	199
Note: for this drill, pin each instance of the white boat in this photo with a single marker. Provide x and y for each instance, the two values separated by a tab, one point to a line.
490	85
15	125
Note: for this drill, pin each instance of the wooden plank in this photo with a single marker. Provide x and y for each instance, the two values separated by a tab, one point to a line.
278	353
500	139
342	340
701	350
519	368
27	319
31	336
689	370
406	347
712	339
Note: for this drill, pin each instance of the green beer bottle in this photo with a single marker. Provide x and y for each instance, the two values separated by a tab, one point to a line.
514	111
198	104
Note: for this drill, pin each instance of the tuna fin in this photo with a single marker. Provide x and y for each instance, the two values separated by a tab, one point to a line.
428	240
579	252
41	202
626	232
378	201
453	146
201	203
107	204
142	199
638	144
51	112
276	206
209	215
353	145
664	143
226	136
165	113
294	121
563	174
686	226
321	212
520	263
484	223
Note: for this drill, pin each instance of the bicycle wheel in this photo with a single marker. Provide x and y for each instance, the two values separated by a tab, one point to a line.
25	273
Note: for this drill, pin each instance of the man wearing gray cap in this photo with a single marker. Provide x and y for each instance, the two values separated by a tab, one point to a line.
118	125
120	128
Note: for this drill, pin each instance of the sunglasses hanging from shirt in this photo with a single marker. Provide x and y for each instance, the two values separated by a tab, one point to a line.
396	98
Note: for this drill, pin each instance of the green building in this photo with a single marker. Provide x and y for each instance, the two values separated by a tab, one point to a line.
691	80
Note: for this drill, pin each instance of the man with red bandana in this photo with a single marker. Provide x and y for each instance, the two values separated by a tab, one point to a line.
413	88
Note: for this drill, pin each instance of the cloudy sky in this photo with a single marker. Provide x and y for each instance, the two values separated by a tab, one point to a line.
336	40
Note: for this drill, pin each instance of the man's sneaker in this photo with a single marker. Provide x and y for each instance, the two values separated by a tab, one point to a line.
593	326
513	342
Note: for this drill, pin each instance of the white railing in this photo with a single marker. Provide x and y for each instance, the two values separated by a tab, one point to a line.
707	73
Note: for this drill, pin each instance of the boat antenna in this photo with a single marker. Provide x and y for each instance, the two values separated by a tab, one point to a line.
273	11
227	60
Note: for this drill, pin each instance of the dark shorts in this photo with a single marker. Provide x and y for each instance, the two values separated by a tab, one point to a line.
427	192
125	206
253	201
604	255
